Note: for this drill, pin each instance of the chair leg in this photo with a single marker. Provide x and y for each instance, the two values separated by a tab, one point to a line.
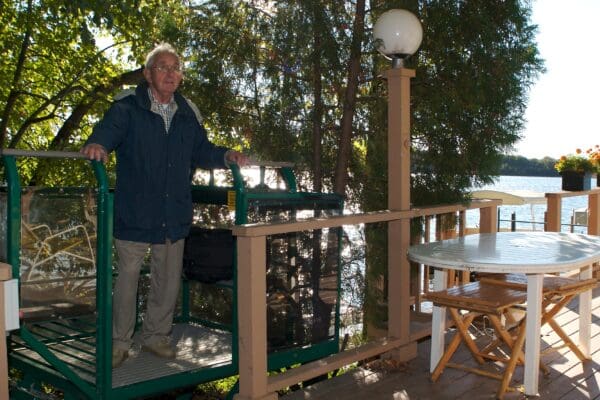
550	313
514	357
548	318
463	329
504	335
508	339
559	331
452	346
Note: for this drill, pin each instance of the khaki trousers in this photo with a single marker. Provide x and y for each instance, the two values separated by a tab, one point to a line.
165	279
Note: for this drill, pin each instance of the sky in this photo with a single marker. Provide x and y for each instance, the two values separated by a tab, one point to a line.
563	107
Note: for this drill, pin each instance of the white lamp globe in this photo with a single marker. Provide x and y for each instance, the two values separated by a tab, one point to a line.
398	33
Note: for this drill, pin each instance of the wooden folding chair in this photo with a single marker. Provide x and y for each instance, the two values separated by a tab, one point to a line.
466	302
558	291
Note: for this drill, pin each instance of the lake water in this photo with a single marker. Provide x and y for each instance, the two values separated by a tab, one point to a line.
529	212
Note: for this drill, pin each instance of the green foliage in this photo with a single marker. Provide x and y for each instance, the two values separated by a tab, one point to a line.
477	61
473	70
250	67
216	389
252	75
60	62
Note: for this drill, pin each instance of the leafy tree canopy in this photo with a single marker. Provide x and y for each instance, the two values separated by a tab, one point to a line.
282	80
62	62
476	65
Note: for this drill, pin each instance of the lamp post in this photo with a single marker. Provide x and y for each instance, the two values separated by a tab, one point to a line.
398	34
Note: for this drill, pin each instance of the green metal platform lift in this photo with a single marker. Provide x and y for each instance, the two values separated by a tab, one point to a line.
59	243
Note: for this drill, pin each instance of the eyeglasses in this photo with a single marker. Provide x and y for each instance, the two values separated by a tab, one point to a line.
168	68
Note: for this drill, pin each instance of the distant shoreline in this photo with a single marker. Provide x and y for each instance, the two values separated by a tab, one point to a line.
522	166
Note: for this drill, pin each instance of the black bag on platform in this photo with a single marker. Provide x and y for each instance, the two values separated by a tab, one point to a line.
208	255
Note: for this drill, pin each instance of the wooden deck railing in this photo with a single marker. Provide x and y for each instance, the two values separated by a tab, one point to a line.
252	317
554	210
554	217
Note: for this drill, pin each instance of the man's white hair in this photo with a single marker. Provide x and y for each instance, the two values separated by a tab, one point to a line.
161	48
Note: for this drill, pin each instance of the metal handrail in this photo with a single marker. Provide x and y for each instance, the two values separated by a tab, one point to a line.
103	265
42	154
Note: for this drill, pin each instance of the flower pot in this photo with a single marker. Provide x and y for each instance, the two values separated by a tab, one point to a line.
576	181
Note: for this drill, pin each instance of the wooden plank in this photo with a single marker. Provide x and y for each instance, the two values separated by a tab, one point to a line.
263	229
5	274
252	319
3	354
322	366
5	271
553	213
594	214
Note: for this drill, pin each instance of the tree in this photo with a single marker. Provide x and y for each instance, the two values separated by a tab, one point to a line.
477	61
285	77
56	77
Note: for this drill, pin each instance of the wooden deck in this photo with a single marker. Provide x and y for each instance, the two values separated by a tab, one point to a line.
568	378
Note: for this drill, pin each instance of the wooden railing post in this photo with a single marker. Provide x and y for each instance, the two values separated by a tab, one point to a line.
488	219
594	214
5	275
399	199
594	223
252	318
553	214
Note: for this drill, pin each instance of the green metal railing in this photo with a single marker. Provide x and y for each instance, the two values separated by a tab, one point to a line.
103	268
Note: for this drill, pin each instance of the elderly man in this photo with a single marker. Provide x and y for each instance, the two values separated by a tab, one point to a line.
159	140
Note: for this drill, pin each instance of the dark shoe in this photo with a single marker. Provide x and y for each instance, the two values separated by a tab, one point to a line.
161	348
118	356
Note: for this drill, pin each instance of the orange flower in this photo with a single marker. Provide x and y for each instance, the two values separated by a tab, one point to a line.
594	157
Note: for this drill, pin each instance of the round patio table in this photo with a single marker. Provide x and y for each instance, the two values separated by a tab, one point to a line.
531	253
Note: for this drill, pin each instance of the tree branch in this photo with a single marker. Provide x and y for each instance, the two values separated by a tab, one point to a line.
32	119
14	93
99	92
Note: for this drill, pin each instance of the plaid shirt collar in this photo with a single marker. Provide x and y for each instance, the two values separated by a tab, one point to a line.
166	111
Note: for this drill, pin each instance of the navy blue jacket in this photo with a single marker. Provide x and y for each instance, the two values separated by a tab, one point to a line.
153	194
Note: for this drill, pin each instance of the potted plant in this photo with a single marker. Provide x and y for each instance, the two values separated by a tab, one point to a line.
576	171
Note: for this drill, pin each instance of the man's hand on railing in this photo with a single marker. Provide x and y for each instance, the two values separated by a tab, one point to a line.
94	151
236	157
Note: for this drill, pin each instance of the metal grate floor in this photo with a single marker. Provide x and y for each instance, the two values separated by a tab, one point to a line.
197	347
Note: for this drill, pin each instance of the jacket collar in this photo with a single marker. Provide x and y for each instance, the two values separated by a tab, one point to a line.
142	98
